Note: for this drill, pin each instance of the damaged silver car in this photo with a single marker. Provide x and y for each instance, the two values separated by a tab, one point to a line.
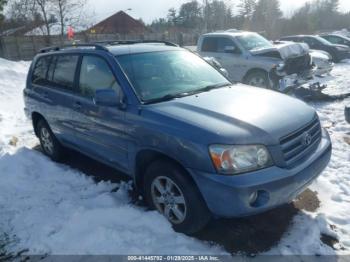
250	58
322	61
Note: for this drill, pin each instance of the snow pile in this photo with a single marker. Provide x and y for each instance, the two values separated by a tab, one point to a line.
12	119
51	208
55	29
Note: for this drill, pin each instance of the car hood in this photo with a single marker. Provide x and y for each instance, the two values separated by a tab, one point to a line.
234	115
319	54
285	49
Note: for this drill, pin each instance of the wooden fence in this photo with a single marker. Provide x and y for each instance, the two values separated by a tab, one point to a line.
25	47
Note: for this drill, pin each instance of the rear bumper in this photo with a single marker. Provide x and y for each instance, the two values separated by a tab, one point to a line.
256	192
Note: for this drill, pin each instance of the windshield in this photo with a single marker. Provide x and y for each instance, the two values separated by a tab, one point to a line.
253	41
322	40
158	75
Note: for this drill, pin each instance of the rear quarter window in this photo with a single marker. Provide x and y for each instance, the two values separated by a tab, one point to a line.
39	76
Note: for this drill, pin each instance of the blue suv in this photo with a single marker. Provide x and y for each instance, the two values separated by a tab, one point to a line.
196	145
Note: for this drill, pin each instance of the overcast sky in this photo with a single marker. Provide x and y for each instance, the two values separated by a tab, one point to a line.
151	9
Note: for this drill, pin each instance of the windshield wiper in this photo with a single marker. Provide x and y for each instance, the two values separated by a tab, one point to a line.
165	98
189	93
211	87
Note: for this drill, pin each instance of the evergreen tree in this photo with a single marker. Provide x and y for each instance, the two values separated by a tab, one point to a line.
266	16
246	8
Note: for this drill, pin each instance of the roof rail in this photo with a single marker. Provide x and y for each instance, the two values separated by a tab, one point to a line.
58	48
101	45
233	30
131	42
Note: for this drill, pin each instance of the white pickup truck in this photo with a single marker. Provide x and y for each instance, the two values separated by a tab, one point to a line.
250	58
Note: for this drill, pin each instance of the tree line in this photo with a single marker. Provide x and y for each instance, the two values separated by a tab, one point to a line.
264	16
196	16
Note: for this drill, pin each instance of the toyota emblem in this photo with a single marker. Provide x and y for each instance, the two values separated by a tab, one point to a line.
307	139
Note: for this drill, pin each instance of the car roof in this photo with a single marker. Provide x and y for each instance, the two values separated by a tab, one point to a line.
114	48
140	48
332	34
229	33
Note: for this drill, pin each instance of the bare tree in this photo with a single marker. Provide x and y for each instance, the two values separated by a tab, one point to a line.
69	12
45	8
32	10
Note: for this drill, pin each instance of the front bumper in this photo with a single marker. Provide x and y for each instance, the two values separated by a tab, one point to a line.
324	70
295	80
231	196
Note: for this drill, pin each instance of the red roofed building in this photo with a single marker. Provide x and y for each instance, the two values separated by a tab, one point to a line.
119	23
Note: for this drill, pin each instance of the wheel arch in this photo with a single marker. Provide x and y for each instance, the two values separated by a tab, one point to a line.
145	157
36	117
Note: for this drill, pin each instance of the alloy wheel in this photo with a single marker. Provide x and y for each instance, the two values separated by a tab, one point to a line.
46	140
168	199
257	81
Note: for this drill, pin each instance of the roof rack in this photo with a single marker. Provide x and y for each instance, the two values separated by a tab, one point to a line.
131	42
101	45
58	48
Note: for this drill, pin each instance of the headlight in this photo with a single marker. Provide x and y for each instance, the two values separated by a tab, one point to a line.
280	67
239	159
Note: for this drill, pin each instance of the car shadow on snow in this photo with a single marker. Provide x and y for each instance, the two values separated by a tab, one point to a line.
251	235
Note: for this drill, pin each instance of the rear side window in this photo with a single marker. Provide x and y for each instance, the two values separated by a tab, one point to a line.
95	74
39	76
210	44
64	73
216	44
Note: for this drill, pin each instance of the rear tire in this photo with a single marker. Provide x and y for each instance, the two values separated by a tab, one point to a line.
49	143
257	79
335	58
169	190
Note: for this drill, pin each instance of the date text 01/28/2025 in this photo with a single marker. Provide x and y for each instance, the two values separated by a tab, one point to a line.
173	258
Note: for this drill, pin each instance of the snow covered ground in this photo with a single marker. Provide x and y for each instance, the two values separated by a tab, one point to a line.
49	208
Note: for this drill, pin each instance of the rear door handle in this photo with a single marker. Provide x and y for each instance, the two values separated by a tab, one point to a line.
45	95
77	105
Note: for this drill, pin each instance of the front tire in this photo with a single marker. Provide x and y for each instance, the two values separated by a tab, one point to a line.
169	191
49	143
257	79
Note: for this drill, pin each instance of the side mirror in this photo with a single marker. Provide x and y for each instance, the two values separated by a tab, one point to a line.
107	97
230	49
224	72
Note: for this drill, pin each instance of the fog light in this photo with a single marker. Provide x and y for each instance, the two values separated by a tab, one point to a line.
259	199
252	198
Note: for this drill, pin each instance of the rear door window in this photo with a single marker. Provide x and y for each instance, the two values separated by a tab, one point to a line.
39	76
217	44
96	74
210	44
310	41
224	42
64	73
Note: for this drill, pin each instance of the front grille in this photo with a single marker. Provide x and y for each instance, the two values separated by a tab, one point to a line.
295	147
297	65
